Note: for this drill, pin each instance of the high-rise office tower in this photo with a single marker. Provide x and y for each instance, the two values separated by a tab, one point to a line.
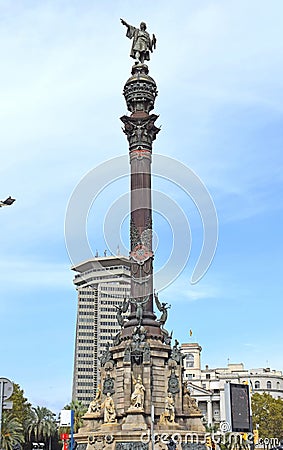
102	284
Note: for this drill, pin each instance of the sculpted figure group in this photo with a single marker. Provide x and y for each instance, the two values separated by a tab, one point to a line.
137	397
95	404
107	405
109	409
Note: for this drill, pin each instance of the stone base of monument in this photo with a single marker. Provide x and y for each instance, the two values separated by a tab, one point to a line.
172	427
110	427
93	415
108	439
134	420
91	425
195	424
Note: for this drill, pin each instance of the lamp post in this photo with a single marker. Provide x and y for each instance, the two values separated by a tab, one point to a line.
6	390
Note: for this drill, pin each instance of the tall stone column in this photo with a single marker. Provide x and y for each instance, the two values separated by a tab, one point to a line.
140	92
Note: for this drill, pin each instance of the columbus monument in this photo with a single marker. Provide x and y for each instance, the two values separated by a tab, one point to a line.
142	393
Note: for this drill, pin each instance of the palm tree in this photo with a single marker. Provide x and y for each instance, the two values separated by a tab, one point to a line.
41	425
79	411
12	432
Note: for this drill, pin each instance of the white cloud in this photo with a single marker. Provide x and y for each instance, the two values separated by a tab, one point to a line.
34	274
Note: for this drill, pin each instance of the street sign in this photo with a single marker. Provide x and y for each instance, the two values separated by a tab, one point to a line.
7	405
65	418
64	436
237	407
7	388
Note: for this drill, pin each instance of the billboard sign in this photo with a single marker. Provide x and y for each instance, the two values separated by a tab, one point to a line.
237	406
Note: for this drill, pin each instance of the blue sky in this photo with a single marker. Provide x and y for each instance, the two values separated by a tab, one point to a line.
218	67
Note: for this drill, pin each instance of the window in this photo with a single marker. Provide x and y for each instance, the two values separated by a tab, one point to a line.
257	385
278	385
268	385
207	376
190	360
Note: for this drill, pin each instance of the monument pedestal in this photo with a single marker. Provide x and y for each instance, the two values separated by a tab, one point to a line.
134	421
142	370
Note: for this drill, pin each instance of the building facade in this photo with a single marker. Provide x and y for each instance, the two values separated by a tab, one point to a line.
102	283
207	385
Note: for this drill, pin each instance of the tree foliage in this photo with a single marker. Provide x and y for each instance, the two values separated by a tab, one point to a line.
79	411
12	432
41	424
268	414
24	424
21	407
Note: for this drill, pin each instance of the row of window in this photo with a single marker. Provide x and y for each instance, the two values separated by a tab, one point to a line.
85	383
85	341
84	355
86	299
86	327
106	330
84	391
85	369
108	316
85	333
268	385
86	306
256	384
108	309
109	302
103	269
190	376
111	324
190	359
115	288
86	313
107	295
85	377
83	347
98	278
88	293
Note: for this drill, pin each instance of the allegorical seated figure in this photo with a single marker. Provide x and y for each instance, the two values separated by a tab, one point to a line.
109	409
190	403
95	404
169	411
137	397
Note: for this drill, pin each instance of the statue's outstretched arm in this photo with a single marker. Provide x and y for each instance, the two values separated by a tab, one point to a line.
124	23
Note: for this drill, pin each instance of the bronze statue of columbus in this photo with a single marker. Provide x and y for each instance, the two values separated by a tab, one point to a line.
142	43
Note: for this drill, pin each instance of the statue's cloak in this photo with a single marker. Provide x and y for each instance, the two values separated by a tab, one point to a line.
141	42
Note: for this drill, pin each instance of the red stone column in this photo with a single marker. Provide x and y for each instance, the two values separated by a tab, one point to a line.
140	92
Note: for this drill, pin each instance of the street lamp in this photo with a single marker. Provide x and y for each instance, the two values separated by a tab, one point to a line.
8	202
